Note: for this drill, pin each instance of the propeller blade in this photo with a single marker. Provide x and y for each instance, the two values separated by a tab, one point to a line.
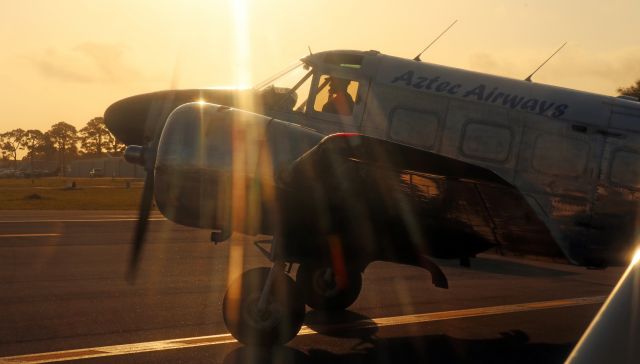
141	227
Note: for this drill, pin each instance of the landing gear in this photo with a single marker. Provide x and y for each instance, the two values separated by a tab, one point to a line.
325	289
262	307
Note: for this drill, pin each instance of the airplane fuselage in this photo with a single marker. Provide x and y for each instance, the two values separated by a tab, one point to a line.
574	155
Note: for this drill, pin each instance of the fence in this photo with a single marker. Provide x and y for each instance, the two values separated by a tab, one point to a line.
111	167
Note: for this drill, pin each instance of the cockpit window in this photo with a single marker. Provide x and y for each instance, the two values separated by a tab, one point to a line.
336	95
288	89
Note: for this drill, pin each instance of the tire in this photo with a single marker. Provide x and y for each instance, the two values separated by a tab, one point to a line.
280	322
320	294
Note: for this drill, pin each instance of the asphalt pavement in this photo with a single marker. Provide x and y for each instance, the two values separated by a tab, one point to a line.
63	295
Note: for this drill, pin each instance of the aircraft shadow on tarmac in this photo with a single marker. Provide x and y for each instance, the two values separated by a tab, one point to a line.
343	324
499	266
509	347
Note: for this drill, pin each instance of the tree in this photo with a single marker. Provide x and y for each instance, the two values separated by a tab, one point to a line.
633	90
47	150
11	143
116	148
95	138
64	138
3	152
32	141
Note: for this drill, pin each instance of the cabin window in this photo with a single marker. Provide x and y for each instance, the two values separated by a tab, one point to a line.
336	95
557	155
414	128
625	168
486	142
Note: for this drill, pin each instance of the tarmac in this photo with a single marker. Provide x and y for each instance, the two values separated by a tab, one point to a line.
64	297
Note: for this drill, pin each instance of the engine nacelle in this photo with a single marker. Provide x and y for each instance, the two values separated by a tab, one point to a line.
217	167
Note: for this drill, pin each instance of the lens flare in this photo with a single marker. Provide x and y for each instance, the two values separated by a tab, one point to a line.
636	257
241	150
242	47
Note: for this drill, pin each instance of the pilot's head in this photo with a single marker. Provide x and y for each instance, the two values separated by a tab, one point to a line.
338	85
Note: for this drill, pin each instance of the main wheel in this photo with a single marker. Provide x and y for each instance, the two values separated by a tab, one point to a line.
277	323
323	289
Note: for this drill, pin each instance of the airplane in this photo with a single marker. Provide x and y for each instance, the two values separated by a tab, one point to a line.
413	161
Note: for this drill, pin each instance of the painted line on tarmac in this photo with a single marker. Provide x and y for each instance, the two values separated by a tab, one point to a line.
465	313
190	342
26	235
79	220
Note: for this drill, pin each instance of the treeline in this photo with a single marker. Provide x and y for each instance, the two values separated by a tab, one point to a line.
633	90
62	143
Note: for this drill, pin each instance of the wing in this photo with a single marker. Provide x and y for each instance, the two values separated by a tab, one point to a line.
134	120
389	201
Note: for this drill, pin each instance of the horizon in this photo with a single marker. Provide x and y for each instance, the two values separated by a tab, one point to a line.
69	60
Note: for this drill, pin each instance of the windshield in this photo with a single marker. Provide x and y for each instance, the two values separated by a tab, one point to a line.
292	83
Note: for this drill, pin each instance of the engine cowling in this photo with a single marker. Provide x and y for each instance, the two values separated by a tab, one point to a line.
217	167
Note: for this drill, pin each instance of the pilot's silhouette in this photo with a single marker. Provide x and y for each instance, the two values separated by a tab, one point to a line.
340	101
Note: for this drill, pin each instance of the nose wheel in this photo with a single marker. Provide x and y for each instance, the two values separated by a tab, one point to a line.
324	288
264	310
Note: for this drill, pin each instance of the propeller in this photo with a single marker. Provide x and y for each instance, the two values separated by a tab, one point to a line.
141	227
146	156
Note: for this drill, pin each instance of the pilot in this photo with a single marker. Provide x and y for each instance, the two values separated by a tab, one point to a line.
340	101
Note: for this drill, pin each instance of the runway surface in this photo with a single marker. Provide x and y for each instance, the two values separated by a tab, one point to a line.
63	296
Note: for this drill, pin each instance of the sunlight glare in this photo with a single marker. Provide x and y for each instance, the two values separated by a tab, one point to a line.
242	46
636	257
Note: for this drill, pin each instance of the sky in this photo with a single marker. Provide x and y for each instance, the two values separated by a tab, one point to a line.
68	60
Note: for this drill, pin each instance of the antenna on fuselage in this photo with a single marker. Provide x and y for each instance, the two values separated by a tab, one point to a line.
417	58
310	53
528	79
